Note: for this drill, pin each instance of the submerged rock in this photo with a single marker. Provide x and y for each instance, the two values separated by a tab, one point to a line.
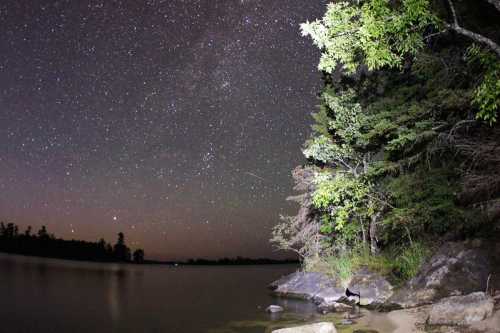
313	328
461	310
346	322
353	315
325	307
455	269
274	309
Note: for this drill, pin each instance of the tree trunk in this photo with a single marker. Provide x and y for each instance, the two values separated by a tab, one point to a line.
363	232
373	233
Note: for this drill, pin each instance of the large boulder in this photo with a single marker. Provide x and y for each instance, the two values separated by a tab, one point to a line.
313	328
455	269
307	285
329	295
461	310
373	288
326	292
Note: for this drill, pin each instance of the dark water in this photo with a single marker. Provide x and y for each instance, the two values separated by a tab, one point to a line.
48	295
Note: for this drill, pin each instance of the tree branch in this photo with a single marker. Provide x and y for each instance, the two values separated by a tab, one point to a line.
495	3
436	33
453	13
470	34
477	38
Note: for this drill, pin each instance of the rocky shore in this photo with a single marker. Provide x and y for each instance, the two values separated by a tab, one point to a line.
455	291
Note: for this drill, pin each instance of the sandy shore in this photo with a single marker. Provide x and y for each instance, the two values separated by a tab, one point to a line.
413	321
399	321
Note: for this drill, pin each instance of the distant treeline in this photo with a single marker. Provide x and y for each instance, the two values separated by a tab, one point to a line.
240	261
43	244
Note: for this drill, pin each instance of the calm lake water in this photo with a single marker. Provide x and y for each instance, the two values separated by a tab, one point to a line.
49	295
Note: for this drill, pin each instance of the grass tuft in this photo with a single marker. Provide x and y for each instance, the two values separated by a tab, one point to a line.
400	264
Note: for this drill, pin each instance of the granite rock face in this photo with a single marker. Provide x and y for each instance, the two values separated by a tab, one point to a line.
455	269
461	310
313	328
307	285
373	288
325	292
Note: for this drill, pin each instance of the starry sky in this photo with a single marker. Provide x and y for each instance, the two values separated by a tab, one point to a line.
177	122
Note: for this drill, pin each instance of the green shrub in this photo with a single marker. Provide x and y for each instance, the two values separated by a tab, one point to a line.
409	261
381	264
338	267
341	267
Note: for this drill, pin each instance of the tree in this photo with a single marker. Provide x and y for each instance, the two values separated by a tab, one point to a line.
394	139
139	256
10	231
301	233
42	233
121	252
46	245
384	34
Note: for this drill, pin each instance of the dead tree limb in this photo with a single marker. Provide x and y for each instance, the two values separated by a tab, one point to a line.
455	26
495	3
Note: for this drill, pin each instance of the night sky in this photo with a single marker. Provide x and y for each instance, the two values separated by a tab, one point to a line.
176	122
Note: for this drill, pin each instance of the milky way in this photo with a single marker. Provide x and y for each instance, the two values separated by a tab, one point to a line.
176	122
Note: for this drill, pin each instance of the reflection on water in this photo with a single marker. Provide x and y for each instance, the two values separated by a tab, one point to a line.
48	295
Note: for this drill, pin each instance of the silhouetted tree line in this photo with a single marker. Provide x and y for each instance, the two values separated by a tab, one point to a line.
43	244
240	261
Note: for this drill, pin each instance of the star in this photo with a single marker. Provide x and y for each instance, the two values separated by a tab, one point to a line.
144	111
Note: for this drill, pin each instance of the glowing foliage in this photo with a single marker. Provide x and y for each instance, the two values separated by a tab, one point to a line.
380	34
387	171
487	94
345	198
375	33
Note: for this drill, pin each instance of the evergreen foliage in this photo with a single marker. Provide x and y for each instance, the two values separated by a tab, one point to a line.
382	34
44	244
393	141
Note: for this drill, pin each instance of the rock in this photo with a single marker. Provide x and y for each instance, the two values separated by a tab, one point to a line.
490	325
325	291
455	269
329	295
461	310
373	288
325	307
346	322
313	328
274	308
307	285
353	315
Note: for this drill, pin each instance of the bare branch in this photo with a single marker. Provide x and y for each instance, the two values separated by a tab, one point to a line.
453	12
495	3
477	38
436	33
459	125
470	34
